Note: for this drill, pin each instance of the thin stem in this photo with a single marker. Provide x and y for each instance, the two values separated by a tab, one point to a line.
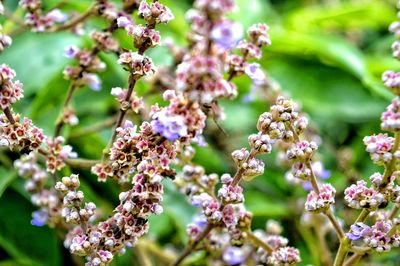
362	216
7	112
342	252
258	242
122	112
60	122
163	255
353	259
81	163
240	171
193	245
394	212
335	223
390	167
74	21
92	128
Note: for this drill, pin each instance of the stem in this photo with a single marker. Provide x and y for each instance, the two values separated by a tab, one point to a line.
122	112
390	167
353	259
342	252
92	128
259	242
241	169
74	21
163	255
362	216
60	122
80	163
7	112
394	212
335	224
193	245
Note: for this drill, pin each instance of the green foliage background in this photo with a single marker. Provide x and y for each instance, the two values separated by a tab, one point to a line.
328	55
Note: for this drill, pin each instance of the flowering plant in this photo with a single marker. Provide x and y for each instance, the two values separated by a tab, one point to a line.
163	122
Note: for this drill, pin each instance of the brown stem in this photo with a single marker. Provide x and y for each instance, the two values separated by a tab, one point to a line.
60	122
122	112
353	259
259	242
193	245
394	212
73	22
93	128
7	112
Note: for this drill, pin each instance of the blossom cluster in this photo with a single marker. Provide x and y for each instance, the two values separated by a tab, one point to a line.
47	199
38	20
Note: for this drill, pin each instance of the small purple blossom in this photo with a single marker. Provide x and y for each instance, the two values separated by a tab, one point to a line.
254	72
319	169
92	80
57	16
357	231
39	218
227	34
71	51
233	256
172	127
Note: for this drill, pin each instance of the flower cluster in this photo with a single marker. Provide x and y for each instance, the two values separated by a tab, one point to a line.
391	117
48	201
360	196
380	236
10	90
38	21
181	119
74	211
320	201
20	135
58	154
379	146
5	40
135	103
136	63
88	65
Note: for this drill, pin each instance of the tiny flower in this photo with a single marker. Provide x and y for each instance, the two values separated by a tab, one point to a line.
379	146
92	80
39	218
71	51
171	127
254	71
57	16
357	231
233	256
359	196
318	202
227	34
391	117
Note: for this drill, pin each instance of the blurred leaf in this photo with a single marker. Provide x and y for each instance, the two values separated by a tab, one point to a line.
16	234
260	205
36	57
342	15
6	178
332	51
326	91
9	263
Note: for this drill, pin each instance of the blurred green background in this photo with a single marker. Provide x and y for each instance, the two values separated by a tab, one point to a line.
328	55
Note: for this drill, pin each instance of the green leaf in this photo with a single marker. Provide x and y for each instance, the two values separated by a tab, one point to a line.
260	205
27	244
331	51
36	57
6	178
325	91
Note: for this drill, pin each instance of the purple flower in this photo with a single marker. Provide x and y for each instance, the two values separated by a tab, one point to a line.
93	81
71	51
57	16
254	72
39	218
358	231
171	127
233	256
320	171
227	34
